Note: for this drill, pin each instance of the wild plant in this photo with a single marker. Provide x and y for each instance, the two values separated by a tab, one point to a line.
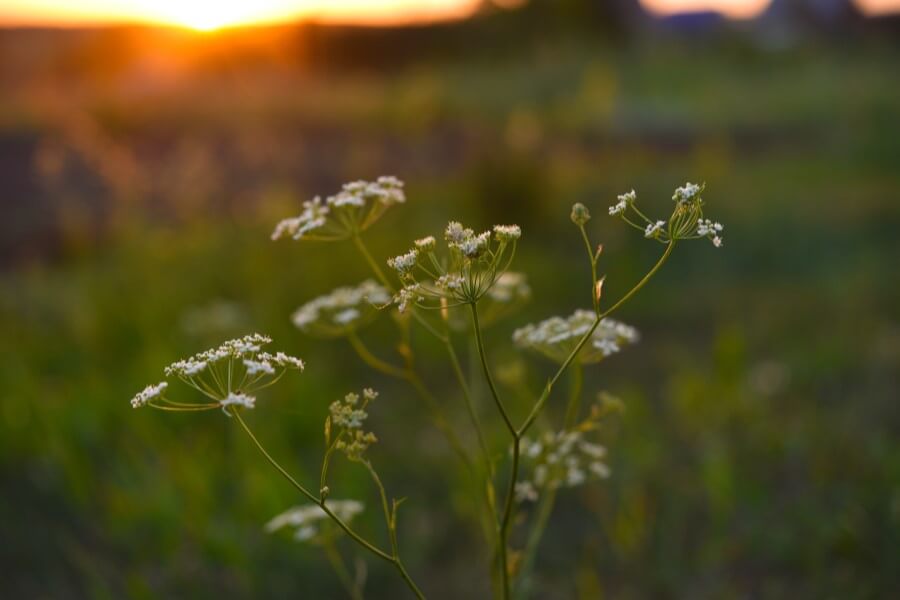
461	283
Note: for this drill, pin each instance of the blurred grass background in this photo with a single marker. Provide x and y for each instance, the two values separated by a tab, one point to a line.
144	169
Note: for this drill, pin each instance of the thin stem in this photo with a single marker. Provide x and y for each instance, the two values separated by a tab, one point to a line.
574	405
312	497
373	361
487	371
592	257
548	499
470	405
503	533
373	264
539	405
544	510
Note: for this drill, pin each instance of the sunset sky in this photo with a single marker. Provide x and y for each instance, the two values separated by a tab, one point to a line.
211	14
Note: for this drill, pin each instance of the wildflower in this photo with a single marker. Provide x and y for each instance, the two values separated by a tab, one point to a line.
686	222
407	295
510	292
580	214
342	311
225	375
426	244
624	200
557	337
237	399
455	232
309	520
150	392
348	416
474	263
687	193
405	262
653	229
560	459
526	492
709	229
351	211
314	216
507	233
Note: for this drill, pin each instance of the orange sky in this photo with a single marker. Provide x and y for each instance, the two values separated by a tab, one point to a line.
211	14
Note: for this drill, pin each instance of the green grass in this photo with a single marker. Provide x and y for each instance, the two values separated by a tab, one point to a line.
757	455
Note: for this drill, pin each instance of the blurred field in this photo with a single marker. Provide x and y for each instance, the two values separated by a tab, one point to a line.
758	455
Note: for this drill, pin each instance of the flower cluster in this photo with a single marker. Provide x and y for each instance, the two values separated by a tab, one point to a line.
685	223
557	337
309	522
225	375
343	311
561	459
148	394
348	417
509	293
349	212
474	262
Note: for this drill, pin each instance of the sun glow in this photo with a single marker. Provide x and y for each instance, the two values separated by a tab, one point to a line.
208	15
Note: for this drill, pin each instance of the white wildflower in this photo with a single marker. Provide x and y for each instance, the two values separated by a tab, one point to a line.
341	311
606	346
410	294
623	201
525	492
474	245
237	399
507	233
255	367
686	193
307	520
557	337
355	208
148	393
456	233
654	229
404	263
346	316
450	281
426	244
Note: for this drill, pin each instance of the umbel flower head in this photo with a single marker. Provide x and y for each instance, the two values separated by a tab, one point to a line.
557	337
310	523
226	375
560	459
343	311
347	419
349	212
686	222
509	293
472	264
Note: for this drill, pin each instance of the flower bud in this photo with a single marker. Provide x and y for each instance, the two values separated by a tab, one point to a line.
580	214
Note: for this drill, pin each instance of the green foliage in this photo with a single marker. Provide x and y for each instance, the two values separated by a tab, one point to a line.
757	452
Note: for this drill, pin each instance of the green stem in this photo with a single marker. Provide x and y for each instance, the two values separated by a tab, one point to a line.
592	257
470	405
312	497
373	361
574	405
539	405
548	499
373	264
487	371
503	533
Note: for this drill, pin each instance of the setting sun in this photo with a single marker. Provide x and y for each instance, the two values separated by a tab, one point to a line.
207	15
